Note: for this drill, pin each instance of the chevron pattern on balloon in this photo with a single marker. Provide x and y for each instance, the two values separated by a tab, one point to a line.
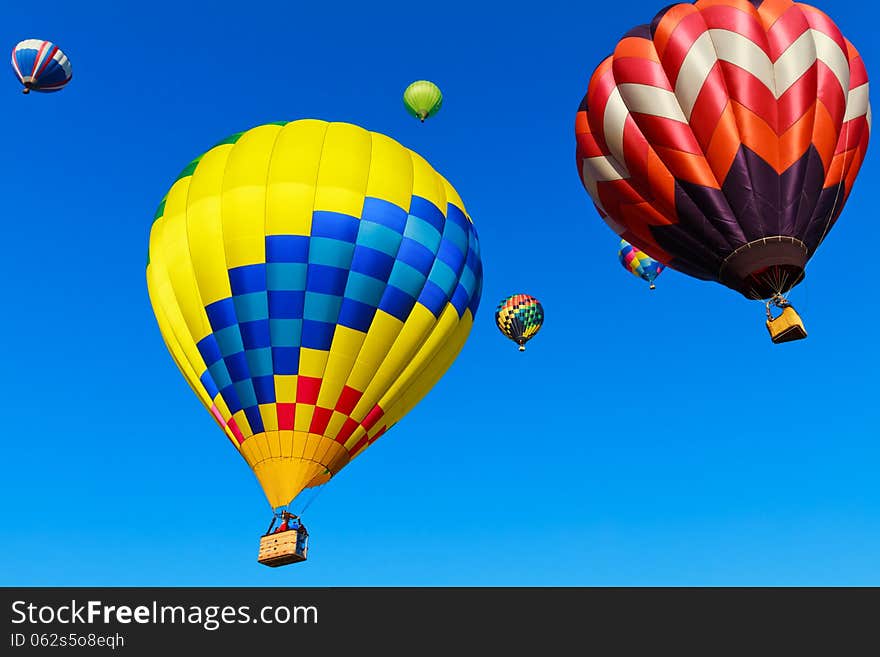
724	135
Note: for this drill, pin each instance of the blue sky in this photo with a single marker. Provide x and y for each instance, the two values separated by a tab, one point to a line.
644	438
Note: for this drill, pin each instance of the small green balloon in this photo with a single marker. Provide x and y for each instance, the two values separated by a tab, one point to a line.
422	99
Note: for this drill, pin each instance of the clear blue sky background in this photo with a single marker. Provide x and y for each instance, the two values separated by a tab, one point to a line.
645	438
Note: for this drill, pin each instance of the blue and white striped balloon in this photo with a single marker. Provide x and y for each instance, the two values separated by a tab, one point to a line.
40	65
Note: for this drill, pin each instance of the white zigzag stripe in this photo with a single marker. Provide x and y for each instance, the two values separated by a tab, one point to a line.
600	169
833	57
795	61
613	123
740	51
645	99
693	72
857	104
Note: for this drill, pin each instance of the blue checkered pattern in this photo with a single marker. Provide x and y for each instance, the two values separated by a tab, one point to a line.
348	267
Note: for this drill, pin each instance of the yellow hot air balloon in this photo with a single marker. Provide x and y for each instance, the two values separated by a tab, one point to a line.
312	282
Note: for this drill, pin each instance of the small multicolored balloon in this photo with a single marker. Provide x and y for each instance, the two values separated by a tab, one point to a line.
639	263
40	66
422	99
519	317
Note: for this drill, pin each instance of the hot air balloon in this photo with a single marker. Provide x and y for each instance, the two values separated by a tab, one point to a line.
40	66
519	317
723	140
422	99
312	282
639	263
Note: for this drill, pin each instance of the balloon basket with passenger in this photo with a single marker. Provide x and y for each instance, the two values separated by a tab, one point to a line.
288	543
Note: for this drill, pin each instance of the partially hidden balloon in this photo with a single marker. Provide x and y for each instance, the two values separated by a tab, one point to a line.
312	282
639	263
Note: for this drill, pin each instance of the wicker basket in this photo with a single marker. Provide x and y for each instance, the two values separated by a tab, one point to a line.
280	549
787	327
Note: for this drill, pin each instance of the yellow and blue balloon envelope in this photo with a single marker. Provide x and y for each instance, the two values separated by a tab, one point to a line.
312	282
